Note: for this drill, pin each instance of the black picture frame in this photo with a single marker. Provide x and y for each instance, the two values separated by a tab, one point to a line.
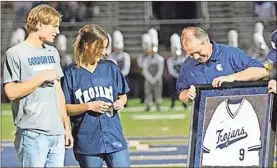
256	92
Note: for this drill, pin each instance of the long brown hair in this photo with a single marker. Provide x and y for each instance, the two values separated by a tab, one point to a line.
89	35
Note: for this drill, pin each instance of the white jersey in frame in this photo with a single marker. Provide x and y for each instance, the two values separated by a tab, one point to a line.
233	136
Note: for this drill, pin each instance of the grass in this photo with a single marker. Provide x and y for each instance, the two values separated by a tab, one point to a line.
7	127
131	126
175	142
166	102
165	127
5	107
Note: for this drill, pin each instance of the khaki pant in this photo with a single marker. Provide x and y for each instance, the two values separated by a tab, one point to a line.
150	90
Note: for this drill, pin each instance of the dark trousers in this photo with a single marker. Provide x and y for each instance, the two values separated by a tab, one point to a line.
173	92
141	87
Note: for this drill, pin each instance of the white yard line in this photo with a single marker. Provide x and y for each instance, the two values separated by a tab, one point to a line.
6	112
149	150
159	157
158	116
162	140
160	165
163	108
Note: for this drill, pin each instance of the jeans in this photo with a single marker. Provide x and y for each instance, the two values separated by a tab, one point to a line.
39	150
115	159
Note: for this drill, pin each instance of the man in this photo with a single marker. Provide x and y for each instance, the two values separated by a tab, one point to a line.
174	63
272	55
31	81
233	38
146	45
118	56
260	49
61	45
153	68
17	36
212	63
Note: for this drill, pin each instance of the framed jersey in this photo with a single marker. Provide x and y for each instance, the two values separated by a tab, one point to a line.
232	126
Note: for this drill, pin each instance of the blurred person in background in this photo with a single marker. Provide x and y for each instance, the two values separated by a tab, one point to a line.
74	11
21	9
18	36
260	49
233	38
95	90
212	63
31	71
146	44
272	55
153	68
174	63
61	45
118	56
71	12
265	10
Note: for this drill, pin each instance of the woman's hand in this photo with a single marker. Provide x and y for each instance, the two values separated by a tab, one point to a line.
99	106
118	105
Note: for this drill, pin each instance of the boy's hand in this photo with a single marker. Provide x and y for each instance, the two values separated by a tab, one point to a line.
68	139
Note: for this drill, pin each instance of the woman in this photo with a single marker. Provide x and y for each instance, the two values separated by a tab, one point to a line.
95	90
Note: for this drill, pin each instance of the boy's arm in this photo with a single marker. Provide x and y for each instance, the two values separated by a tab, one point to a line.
14	86
15	90
65	118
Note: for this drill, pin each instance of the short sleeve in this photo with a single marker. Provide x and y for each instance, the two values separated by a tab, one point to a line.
11	67
67	89
181	83
241	61
121	83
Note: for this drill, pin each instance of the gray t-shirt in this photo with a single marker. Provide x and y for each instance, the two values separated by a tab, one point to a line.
38	110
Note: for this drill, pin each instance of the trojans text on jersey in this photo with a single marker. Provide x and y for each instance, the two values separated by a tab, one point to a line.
93	92
227	138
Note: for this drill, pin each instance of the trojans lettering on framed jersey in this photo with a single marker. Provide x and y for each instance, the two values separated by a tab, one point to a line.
233	136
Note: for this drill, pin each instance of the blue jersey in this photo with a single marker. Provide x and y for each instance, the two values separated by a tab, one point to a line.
94	132
225	60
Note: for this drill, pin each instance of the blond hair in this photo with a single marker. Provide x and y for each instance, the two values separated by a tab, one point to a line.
44	14
88	35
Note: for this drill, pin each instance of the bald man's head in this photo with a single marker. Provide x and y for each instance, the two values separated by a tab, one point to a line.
196	43
191	33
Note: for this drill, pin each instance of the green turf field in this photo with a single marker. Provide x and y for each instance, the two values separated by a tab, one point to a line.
135	121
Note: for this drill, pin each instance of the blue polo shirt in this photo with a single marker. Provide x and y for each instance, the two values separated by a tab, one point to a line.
225	60
93	132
